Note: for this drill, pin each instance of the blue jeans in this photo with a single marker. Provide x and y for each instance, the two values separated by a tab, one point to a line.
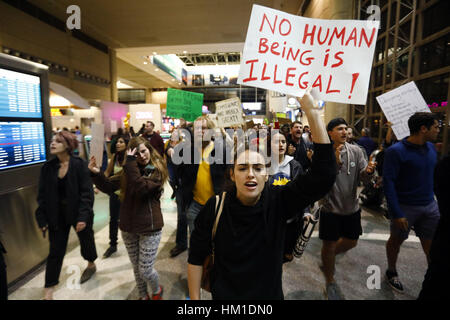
181	237
192	213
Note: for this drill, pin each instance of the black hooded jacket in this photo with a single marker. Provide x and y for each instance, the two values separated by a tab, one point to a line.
249	241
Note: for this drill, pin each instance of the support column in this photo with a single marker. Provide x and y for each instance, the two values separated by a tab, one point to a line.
113	75
332	10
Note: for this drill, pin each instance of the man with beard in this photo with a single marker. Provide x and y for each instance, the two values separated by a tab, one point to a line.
296	145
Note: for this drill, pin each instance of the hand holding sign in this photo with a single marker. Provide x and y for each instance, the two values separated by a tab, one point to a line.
287	53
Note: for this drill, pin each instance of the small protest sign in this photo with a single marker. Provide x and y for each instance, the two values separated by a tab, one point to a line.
97	142
184	104
288	53
400	104
229	113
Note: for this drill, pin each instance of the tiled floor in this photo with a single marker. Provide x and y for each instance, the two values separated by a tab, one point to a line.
302	278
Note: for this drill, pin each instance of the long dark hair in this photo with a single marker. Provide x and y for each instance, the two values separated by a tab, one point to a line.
120	155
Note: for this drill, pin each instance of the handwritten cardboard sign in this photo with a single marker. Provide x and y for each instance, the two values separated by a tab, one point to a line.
97	142
400	104
288	53
229	113
184	104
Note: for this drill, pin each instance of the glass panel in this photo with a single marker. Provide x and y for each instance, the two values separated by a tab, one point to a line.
401	67
379	50
434	90
435	54
375	106
436	18
393	14
383	22
378	76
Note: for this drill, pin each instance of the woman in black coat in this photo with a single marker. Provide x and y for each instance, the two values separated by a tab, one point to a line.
249	242
65	200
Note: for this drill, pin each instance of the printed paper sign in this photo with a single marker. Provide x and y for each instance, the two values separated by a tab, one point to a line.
288	53
400	104
97	142
184	104
229	113
113	126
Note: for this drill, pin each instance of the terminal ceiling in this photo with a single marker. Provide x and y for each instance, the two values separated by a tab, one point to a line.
137	25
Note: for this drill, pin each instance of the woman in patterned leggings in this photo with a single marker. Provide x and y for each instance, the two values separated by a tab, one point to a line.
141	221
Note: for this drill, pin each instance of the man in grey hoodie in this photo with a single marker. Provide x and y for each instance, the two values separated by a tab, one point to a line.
340	219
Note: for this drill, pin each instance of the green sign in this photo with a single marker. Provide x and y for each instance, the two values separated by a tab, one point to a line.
184	104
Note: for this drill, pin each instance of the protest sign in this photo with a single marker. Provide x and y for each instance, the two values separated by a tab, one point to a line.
400	104
97	142
282	121
229	113
184	104
288	53
249	125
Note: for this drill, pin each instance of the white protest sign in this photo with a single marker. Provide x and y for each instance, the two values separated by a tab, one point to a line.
229	113
400	104
97	141
288	53
113	127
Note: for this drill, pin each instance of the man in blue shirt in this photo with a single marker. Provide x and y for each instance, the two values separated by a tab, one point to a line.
366	142
408	186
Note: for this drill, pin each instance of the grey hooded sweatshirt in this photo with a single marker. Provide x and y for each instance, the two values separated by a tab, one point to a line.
343	198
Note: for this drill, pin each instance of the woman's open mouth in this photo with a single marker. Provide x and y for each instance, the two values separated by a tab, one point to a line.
251	185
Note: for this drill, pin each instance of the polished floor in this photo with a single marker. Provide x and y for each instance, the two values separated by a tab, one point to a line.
302	278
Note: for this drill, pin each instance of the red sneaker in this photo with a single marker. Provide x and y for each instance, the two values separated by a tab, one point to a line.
158	296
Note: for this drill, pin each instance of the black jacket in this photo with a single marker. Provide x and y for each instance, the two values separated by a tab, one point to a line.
436	282
187	173
300	154
249	241
80	194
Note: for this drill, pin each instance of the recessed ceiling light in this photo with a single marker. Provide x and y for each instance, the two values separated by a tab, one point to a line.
156	69
173	79
184	51
154	52
145	62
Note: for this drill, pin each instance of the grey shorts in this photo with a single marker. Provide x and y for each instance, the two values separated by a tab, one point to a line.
423	219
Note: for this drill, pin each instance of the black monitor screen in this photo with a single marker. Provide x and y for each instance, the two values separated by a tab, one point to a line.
21	143
20	95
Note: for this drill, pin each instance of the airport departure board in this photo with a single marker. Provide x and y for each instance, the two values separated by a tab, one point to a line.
20	95
21	143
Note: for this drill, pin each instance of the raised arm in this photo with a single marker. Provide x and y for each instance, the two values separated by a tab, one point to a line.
317	182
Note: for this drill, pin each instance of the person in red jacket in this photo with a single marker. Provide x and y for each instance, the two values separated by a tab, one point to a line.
153	137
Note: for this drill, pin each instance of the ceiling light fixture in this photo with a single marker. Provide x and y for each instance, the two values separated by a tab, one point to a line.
184	51
156	69
145	62
154	52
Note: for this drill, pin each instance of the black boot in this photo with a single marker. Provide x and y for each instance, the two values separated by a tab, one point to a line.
109	251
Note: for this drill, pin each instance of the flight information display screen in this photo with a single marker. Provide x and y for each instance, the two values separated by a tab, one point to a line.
21	143
20	95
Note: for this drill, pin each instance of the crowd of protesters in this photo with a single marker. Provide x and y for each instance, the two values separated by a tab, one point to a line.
255	189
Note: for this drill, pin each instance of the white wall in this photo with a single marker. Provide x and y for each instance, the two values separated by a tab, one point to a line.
75	120
155	111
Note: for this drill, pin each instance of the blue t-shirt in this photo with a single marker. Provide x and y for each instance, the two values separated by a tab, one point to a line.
408	175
